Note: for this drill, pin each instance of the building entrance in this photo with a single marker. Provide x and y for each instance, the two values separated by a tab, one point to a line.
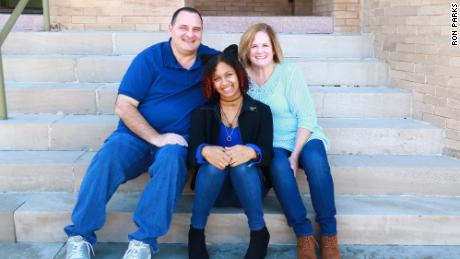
33	7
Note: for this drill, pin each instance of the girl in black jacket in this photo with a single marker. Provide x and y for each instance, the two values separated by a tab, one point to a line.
230	143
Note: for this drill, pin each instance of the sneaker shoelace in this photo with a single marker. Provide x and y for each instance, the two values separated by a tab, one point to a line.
134	250
78	251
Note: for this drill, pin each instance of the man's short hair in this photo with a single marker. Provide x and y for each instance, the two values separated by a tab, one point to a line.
185	9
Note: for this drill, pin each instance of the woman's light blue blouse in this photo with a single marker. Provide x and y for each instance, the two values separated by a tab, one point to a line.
288	96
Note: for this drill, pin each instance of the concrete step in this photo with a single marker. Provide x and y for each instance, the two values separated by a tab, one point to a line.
62	171
282	24
25	250
109	68
25	22
87	98
286	24
403	220
99	98
131	43
348	136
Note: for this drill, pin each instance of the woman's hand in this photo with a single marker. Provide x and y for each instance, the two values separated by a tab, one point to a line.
216	156
240	154
294	162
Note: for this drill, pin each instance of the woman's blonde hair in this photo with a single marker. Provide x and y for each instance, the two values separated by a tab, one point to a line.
248	37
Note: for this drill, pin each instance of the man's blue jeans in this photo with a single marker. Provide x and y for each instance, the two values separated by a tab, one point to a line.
215	187
313	160
122	158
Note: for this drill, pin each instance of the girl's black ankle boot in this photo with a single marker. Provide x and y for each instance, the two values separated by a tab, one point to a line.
197	244
258	245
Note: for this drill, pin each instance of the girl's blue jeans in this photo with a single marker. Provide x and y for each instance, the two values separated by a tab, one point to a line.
239	186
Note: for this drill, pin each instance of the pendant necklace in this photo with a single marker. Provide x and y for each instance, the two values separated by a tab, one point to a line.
230	124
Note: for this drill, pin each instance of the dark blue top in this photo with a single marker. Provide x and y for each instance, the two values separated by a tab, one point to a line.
167	92
234	133
223	141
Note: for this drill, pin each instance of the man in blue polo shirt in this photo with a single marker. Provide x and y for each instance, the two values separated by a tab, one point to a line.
155	99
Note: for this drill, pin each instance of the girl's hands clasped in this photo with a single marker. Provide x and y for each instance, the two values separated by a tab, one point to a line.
222	157
216	156
240	154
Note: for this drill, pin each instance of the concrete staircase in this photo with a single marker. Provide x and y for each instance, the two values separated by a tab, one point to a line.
392	184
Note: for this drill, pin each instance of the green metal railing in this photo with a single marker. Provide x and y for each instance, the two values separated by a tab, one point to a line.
4	33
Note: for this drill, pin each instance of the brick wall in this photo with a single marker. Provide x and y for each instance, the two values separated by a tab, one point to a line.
132	15
414	38
346	13
243	7
154	15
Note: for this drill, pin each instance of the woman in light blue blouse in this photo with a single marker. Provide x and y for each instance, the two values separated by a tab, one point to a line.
298	139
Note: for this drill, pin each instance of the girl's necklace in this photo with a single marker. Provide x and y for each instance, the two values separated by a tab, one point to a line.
230	124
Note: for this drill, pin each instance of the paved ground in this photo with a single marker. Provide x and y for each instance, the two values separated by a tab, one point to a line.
232	251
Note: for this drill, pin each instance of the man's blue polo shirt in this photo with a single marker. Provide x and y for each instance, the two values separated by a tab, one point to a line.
167	93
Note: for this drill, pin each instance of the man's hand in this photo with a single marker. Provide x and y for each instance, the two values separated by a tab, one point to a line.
240	154
168	139
216	156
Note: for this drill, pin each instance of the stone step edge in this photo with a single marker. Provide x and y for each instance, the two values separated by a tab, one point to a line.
62	171
383	220
390	136
99	98
284	24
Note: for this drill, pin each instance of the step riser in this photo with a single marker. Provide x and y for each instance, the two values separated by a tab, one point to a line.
315	46
361	219
104	69
385	141
227	228
101	100
91	134
283	24
7	232
347	180
8	206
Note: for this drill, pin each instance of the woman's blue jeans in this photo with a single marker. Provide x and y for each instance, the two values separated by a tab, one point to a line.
124	157
217	187
313	160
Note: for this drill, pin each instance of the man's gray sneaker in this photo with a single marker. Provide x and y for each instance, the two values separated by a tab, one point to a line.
137	250
78	248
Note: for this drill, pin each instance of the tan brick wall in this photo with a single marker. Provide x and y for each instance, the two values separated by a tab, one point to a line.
346	13
414	38
243	7
154	15
132	15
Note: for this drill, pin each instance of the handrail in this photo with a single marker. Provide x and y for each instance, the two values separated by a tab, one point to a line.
46	15
4	33
12	20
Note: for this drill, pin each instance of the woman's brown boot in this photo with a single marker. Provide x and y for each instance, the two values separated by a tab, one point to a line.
306	247
330	247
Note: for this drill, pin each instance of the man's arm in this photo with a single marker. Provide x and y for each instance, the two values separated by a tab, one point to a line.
126	108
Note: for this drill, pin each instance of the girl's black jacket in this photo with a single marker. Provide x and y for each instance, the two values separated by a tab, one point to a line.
255	123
